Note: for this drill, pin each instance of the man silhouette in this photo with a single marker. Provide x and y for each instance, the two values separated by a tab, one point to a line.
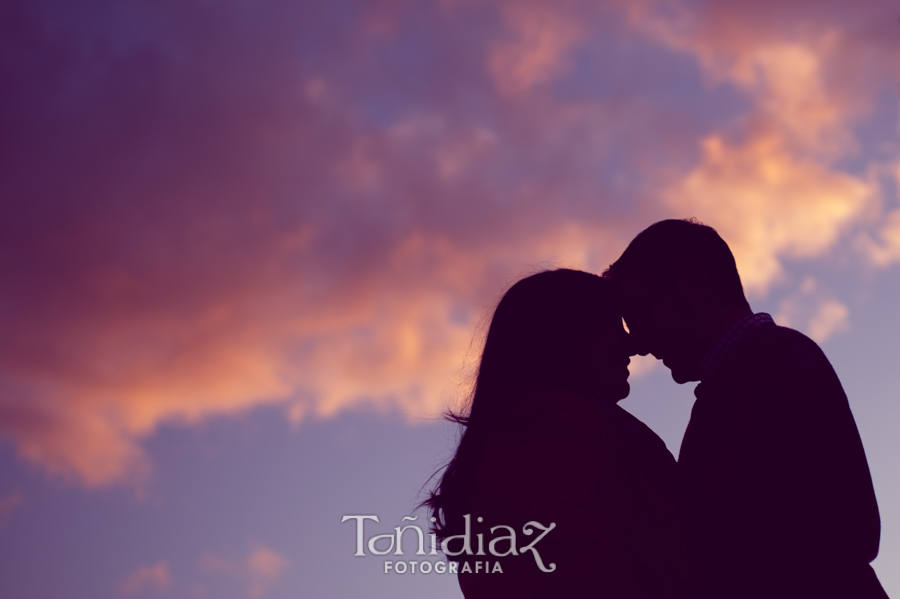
776	496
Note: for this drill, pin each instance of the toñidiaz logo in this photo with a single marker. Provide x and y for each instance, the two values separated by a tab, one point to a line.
501	545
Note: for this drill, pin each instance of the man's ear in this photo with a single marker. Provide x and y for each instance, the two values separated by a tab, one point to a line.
694	284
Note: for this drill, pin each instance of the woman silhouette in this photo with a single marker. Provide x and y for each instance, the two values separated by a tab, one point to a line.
545	442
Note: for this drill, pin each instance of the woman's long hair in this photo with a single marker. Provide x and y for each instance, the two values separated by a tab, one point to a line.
540	337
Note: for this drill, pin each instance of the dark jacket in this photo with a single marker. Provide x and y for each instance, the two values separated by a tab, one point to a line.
606	481
776	495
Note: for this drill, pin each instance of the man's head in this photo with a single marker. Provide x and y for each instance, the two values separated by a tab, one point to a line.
680	290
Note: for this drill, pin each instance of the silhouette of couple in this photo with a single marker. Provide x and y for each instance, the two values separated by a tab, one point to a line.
771	496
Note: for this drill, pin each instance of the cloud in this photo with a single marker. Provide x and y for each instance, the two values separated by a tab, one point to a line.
831	318
155	578
311	206
731	40
771	185
223	248
258	572
881	247
10	504
813	311
769	204
539	49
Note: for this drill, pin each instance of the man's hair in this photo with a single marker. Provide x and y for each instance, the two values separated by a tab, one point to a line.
660	251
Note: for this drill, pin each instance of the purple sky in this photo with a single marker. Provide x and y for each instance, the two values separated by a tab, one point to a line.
248	249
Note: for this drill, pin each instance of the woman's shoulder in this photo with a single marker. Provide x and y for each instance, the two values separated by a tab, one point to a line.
551	440
547	416
567	461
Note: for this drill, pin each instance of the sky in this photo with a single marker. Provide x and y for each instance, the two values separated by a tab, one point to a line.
249	250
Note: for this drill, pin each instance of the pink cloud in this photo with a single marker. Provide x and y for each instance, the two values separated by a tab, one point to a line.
770	203
258	572
9	504
814	310
538	50
310	206
155	579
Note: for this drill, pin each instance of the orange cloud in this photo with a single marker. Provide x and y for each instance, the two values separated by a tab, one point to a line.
773	190
155	578
770	203
321	231
9	504
813	311
258	572
369	298
881	247
538	50
885	249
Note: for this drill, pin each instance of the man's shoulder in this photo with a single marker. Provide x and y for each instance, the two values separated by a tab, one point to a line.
774	333
772	367
773	344
768	354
